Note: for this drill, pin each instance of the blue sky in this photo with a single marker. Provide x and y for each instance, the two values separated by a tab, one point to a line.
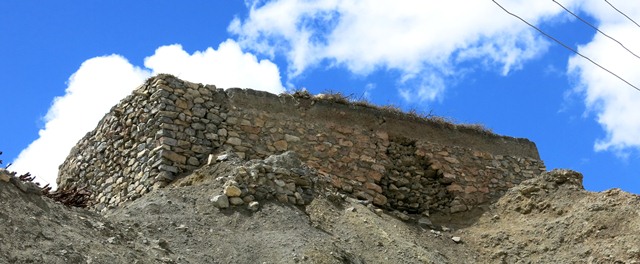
65	64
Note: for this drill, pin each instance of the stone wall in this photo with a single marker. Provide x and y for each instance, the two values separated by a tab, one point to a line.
169	127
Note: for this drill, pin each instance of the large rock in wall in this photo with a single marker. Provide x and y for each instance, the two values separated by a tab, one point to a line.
168	127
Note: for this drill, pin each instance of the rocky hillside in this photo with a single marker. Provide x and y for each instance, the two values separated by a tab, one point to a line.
200	218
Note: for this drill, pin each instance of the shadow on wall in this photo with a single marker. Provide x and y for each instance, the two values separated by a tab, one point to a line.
413	183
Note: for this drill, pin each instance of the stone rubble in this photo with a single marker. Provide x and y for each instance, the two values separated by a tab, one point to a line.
279	177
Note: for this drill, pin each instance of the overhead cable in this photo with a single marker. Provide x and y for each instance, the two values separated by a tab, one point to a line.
625	15
564	45
594	27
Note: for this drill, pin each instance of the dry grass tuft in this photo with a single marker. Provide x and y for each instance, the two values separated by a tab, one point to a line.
340	98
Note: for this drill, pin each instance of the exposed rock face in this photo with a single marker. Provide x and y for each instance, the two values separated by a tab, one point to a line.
169	127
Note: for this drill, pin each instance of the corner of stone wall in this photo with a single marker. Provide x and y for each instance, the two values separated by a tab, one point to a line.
168	127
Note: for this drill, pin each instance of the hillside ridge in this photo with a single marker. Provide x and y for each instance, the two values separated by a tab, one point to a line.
549	218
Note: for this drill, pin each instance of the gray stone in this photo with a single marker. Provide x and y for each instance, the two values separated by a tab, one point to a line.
456	239
168	168
236	201
280	183
165	176
402	216
101	147
211	136
458	208
200	149
232	120
168	141
290	138
214	118
425	222
198	126
193	161
220	201
234	141
199	112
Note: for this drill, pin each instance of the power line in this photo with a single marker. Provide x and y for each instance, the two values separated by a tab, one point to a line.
565	46
592	26
625	15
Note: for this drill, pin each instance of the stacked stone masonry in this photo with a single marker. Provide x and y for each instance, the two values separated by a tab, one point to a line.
169	127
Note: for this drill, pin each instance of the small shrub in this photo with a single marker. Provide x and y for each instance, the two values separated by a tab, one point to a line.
69	197
302	93
392	109
336	97
478	127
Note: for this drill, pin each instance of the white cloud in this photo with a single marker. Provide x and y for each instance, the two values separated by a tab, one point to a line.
98	84
421	39
427	41
102	82
226	67
616	104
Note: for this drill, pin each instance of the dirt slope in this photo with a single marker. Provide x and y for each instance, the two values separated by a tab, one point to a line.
550	219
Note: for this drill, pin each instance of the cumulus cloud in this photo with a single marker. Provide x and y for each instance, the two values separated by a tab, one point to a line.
428	41
615	104
423	40
228	66
102	82
92	90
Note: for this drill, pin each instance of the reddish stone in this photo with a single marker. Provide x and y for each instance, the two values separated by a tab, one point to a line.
346	143
251	129
378	168
375	176
281	145
470	189
455	188
373	186
380	200
382	135
336	182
